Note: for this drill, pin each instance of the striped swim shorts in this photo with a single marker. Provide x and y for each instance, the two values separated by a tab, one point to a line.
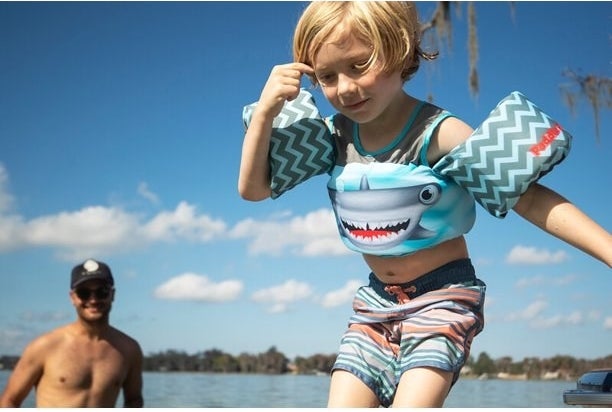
429	322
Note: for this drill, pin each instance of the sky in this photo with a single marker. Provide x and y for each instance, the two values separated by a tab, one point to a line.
120	139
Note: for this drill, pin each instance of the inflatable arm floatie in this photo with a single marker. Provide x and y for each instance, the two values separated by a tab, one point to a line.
301	144
515	145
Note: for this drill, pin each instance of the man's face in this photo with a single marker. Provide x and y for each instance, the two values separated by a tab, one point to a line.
93	300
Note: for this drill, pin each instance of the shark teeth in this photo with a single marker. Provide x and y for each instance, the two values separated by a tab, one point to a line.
389	225
380	238
376	233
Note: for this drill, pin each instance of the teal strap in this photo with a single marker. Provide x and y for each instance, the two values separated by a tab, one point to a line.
395	141
429	132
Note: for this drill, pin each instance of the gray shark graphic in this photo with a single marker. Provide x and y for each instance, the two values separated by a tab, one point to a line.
378	219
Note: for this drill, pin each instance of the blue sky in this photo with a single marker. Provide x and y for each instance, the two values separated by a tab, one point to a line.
120	139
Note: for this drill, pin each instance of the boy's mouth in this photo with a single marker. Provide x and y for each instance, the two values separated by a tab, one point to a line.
355	106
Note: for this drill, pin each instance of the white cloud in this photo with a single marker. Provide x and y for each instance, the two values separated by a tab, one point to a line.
565	280
540	280
607	323
314	234
574	318
98	230
533	256
530	312
534	309
91	226
342	295
279	297
11	235
278	308
594	314
145	192
534	315
191	286
546	323
530	282
183	223
44	317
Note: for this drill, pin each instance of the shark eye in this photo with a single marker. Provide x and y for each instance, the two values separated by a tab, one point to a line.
429	194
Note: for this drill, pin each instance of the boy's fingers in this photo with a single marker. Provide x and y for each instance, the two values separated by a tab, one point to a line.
300	67
303	68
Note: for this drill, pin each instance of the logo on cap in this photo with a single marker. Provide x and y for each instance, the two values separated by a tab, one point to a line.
89	270
91	265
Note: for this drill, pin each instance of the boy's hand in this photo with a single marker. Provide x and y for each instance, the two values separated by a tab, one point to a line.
282	85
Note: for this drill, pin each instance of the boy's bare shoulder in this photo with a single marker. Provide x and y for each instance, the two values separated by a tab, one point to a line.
451	133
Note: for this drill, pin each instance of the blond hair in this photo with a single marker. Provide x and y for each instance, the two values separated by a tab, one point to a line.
391	29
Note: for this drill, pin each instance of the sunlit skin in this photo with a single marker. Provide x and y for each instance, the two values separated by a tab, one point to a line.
82	364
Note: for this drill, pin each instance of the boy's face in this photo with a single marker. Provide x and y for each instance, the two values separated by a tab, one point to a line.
360	95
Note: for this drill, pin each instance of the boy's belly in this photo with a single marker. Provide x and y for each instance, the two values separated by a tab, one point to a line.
402	269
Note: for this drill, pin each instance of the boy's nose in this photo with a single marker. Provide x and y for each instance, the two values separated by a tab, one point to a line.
346	85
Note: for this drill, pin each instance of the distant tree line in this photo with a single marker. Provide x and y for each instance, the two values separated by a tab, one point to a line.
274	362
534	368
214	360
270	362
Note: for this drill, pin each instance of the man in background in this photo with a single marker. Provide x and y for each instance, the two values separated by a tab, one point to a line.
85	363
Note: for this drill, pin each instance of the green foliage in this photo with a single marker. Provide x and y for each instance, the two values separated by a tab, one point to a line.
217	361
536	368
484	365
274	362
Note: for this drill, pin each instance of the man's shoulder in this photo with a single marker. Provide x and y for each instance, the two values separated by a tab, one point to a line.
40	346
124	340
52	336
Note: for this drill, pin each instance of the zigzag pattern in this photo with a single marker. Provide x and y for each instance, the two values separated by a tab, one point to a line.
301	145
495	163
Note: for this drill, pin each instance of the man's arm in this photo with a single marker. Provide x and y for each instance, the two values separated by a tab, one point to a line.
556	215
25	376
132	387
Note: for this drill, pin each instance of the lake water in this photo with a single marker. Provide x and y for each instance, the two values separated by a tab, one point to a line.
187	390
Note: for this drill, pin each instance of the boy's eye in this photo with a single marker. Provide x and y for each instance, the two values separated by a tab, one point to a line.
359	67
325	78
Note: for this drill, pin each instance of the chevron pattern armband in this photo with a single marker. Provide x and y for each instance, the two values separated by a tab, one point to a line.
301	145
515	146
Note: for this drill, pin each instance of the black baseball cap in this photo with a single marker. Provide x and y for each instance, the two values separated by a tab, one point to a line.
89	270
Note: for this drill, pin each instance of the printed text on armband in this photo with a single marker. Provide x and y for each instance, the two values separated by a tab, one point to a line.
548	137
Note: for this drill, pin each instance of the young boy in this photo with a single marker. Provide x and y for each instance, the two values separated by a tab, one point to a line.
414	323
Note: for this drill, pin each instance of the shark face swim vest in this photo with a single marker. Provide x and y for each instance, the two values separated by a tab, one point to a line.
390	202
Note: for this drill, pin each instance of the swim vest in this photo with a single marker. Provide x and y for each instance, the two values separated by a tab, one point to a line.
390	202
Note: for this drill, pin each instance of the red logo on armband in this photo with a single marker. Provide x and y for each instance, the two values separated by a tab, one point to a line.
548	137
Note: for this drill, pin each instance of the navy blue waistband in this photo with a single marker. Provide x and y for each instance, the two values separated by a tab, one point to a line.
457	271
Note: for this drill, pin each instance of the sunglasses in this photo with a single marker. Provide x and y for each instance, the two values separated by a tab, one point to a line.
99	293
